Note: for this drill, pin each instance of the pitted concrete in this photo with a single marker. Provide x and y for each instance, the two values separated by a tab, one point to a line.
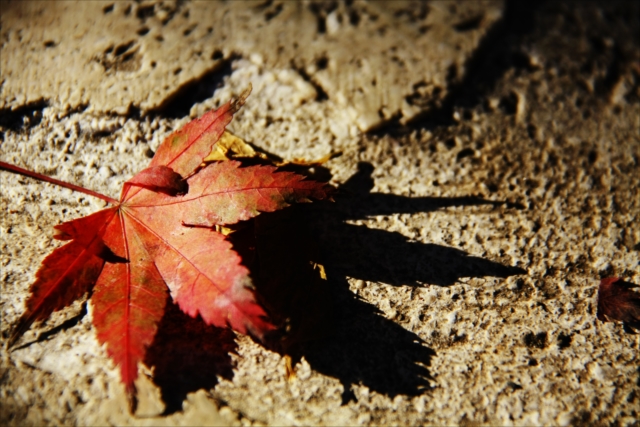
498	184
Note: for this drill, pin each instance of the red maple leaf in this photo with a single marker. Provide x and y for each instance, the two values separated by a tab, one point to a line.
160	239
617	301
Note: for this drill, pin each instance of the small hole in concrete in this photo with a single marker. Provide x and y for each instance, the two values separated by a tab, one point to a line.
145	12
217	54
469	24
465	153
273	13
564	340
354	18
322	63
122	48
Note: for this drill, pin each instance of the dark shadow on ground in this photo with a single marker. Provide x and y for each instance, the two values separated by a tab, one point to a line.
179	103
337	332
499	51
48	334
187	355
391	258
361	347
595	41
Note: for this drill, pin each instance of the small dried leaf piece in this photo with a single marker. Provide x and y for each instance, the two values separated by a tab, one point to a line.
321	161
617	301
230	147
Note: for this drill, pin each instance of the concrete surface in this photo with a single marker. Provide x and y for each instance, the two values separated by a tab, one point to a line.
490	178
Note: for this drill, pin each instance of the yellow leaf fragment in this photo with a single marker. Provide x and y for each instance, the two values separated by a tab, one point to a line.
320	161
320	267
230	147
289	369
225	231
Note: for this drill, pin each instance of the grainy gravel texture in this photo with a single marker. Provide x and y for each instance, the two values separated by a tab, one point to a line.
489	173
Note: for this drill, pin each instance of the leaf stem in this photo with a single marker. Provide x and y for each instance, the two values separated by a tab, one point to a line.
26	172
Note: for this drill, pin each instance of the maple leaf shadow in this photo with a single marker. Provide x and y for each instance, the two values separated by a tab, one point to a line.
339	333
383	256
187	355
361	347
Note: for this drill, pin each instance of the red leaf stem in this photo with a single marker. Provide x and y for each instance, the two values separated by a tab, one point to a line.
16	169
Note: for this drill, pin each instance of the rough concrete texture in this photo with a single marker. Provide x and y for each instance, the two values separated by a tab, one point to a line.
126	56
499	183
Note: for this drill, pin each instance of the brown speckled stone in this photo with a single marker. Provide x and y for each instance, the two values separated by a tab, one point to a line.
500	183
